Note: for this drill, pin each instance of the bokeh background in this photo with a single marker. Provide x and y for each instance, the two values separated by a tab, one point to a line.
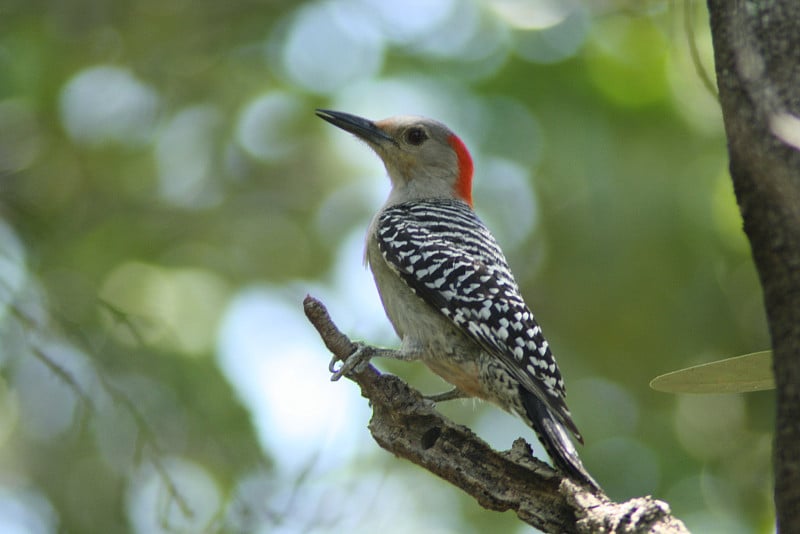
167	198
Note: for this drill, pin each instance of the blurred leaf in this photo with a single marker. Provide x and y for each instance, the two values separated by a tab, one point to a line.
741	374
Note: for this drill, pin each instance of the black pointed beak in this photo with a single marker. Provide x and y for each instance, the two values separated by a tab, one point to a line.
358	126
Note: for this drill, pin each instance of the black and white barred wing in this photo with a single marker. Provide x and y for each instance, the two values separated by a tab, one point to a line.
449	258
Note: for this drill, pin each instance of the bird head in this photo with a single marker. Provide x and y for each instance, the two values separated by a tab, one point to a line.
423	157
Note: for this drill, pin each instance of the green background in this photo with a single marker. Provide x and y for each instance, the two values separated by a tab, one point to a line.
168	197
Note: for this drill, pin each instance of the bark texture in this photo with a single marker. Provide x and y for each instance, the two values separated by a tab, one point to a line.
757	56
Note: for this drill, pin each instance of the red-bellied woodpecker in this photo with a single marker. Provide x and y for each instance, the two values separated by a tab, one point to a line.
447	288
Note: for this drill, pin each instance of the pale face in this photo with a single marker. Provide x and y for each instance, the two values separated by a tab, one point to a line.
423	157
421	150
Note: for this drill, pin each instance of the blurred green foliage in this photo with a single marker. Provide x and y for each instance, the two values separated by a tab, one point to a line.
160	159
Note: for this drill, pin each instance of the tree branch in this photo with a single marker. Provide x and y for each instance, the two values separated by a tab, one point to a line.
406	424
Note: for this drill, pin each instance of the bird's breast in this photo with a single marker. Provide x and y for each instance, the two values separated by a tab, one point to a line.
426	332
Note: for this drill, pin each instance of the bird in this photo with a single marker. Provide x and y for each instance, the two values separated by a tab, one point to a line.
447	289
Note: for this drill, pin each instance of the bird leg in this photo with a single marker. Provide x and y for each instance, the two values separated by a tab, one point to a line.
360	358
453	394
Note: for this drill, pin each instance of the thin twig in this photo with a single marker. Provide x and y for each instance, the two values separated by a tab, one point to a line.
146	433
150	440
688	22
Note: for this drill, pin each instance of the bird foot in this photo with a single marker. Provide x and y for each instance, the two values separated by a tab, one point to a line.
356	362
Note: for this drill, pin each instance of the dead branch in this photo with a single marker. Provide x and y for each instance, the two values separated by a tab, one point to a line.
406	424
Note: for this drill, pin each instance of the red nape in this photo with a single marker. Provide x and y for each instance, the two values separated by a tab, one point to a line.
464	182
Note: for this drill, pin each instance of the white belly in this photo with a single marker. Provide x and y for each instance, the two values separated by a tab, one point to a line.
426	334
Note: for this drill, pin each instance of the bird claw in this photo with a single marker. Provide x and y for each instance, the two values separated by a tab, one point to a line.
357	361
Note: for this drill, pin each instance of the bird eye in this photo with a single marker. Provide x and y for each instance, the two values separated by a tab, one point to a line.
416	136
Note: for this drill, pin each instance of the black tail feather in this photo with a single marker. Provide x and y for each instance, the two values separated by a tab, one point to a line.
555	439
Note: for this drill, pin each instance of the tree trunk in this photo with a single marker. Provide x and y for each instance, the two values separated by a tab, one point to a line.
757	55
